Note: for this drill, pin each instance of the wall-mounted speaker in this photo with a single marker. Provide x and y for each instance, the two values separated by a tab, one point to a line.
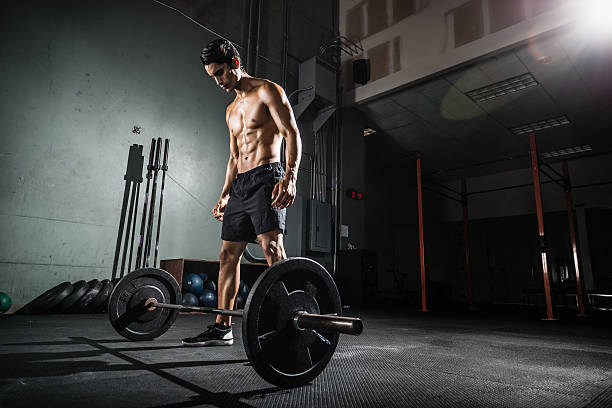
361	71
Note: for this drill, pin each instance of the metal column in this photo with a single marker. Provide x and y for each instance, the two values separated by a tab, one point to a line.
421	238
572	228
466	241
540	214
253	42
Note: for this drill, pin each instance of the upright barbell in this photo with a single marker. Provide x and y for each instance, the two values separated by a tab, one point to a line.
290	323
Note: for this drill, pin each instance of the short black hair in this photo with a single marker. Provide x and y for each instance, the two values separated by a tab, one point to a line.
220	51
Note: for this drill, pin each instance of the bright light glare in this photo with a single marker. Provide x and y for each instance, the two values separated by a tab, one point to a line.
595	16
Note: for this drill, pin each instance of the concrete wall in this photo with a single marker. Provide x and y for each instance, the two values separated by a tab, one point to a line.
75	78
410	39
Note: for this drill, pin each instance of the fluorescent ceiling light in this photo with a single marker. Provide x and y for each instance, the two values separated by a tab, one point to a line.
543	124
568	151
368	131
501	88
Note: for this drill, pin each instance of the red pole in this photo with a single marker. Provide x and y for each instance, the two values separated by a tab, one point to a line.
421	238
538	199
570	216
466	240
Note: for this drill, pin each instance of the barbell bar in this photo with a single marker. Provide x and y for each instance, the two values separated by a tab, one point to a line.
301	319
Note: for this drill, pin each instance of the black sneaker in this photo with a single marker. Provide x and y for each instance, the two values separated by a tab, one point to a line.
216	335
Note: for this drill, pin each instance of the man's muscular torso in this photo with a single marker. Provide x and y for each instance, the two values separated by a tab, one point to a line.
254	135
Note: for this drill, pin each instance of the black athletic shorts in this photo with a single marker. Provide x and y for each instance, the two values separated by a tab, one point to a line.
248	212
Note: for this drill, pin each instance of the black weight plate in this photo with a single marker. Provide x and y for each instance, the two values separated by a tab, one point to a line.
126	304
280	353
103	308
79	289
94	287
50	298
101	297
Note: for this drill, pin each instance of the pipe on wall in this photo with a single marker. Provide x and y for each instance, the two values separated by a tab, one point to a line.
253	41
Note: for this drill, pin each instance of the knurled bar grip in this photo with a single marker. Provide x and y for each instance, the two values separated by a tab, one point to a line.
340	324
225	312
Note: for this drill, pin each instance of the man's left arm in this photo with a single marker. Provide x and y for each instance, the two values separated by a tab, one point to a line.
275	99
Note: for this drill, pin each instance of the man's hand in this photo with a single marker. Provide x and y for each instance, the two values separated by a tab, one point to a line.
283	194
219	208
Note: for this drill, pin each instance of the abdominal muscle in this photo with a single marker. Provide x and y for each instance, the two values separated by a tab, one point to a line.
257	147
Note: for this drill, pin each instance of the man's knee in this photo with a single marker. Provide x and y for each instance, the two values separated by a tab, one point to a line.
272	248
229	257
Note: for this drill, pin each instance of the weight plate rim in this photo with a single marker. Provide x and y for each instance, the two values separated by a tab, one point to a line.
95	303
77	287
94	288
103	306
63	290
169	321
266	371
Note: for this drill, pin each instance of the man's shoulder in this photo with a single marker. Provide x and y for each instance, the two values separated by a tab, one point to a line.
268	91
265	85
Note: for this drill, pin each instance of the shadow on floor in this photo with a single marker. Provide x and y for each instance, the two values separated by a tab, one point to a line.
53	364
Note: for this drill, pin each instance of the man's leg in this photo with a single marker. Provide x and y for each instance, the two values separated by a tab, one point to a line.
229	277
272	245
220	334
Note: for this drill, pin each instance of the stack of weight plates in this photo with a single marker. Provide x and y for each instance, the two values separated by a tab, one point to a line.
78	297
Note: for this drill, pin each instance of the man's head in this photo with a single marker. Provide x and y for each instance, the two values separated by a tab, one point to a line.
222	62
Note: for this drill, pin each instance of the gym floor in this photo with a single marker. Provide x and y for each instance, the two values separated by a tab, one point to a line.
400	360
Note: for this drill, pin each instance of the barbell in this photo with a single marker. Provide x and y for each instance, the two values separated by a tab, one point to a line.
290	323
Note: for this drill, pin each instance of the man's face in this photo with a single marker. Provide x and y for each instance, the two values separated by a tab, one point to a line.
225	77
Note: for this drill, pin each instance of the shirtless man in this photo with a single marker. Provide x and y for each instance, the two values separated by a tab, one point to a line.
257	190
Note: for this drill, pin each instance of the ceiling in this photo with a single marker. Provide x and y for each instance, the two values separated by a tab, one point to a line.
457	137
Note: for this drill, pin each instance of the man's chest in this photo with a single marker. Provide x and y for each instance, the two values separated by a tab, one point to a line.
248	113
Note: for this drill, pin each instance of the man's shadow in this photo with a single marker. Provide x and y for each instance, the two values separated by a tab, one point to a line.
54	364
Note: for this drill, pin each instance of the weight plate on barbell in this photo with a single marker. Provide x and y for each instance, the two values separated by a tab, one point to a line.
280	353
126	304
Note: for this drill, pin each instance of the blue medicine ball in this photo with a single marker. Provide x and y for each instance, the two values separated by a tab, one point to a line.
204	276
189	299
211	285
208	298
239	302
194	283
244	292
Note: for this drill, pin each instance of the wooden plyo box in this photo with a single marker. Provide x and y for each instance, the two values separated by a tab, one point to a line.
181	267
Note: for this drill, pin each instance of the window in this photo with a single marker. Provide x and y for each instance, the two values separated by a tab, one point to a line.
468	22
504	13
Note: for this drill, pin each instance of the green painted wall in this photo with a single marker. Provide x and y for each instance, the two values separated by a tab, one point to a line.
75	77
